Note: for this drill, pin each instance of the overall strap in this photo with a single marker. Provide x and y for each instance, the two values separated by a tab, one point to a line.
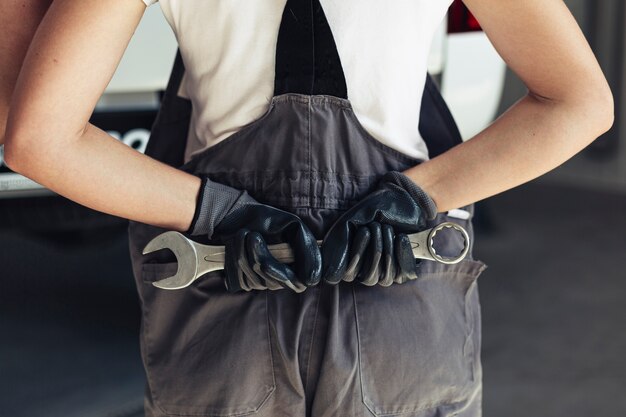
169	131
437	126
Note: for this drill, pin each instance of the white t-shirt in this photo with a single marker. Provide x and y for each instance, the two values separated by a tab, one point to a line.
229	48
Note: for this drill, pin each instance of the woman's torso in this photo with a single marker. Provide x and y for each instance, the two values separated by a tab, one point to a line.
240	53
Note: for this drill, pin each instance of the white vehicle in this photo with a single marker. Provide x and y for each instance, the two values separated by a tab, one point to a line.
472	72
462	60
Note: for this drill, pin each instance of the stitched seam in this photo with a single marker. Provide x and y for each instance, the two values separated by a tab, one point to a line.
303	199
317	98
413	410
359	343
309	156
269	345
469	329
464	273
285	171
308	361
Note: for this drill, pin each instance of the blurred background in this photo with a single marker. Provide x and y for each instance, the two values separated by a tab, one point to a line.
553	314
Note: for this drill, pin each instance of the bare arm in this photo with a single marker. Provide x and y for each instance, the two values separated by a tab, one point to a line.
18	21
569	104
49	139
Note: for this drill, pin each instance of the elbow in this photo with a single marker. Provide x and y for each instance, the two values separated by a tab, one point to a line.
33	144
594	111
606	110
23	144
19	150
598	109
12	152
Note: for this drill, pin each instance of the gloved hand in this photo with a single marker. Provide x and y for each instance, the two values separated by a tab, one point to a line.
369	241
243	225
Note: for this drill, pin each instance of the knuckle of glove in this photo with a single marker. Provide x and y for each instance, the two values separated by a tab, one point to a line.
266	223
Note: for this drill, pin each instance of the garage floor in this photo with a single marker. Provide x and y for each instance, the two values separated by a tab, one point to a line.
554	314
552	299
69	326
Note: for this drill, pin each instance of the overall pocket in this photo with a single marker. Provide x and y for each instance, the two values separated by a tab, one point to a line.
419	342
206	352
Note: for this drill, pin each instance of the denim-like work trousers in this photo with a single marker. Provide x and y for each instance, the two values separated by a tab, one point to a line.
409	349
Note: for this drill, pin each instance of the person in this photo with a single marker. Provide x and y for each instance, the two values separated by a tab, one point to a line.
18	22
300	123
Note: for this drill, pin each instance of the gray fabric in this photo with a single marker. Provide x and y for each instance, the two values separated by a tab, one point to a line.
324	352
215	201
316	158
419	195
409	350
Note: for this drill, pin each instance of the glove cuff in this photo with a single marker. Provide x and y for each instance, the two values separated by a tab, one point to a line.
214	201
420	196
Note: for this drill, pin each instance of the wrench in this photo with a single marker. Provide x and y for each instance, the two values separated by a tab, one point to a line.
195	260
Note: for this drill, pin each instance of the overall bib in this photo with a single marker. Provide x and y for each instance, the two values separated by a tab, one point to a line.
410	350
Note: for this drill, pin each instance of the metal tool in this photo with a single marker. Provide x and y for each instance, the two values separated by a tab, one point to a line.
195	260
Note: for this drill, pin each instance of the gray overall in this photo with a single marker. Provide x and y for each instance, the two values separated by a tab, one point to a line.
410	350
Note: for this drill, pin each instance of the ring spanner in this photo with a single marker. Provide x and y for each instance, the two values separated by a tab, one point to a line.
195	260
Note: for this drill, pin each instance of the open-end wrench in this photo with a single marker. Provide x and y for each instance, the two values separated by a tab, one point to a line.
195	260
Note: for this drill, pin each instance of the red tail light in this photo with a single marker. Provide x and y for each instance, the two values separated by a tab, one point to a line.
460	19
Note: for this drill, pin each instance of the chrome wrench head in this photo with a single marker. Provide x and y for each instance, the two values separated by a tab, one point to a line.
186	257
448	260
423	244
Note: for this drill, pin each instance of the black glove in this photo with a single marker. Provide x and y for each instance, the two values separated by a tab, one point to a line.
369	241
243	225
